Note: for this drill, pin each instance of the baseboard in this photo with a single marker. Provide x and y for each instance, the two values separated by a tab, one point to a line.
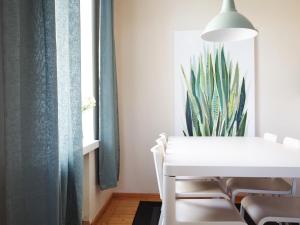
101	212
135	195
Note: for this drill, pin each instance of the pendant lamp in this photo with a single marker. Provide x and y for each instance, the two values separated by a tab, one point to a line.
229	25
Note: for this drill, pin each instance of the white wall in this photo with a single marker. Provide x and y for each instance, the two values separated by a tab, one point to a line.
94	199
144	48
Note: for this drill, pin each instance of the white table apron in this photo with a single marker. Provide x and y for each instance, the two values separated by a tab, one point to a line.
223	157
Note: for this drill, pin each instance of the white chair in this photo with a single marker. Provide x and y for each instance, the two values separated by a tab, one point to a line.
161	141
187	188
283	209
164	137
263	209
271	186
270	137
291	142
196	211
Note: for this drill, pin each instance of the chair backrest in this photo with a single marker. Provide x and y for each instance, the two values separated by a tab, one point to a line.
158	157
270	137
164	136
161	141
291	142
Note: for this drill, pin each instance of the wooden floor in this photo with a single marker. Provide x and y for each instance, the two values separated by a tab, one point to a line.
122	209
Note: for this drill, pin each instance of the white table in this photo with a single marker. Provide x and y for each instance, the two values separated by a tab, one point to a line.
224	157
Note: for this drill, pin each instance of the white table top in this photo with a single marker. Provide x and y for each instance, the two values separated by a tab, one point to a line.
230	156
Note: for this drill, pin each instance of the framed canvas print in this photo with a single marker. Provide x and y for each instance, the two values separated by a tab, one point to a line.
214	86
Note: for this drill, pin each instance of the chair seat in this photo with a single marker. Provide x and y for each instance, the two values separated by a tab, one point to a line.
199	189
267	208
259	185
207	211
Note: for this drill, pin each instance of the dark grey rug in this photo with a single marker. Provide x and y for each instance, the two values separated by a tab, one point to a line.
148	213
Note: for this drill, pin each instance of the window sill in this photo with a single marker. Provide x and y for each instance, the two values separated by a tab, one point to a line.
90	146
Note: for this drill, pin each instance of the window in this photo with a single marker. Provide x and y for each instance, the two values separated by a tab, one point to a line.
88	69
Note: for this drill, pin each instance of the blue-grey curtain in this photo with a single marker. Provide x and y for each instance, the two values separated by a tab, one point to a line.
40	113
108	127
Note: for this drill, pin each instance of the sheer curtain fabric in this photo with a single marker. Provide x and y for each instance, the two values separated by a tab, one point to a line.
40	113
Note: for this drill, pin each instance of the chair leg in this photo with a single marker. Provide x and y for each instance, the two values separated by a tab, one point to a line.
161	220
233	197
294	186
242	212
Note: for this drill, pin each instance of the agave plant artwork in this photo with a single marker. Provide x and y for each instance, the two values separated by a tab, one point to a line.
215	96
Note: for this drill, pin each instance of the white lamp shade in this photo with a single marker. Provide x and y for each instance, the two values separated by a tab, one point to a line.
229	25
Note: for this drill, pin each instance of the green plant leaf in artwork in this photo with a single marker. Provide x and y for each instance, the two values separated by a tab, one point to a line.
241	104
242	128
188	116
193	81
215	96
224	76
195	108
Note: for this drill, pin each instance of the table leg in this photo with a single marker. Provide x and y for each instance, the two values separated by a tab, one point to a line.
169	200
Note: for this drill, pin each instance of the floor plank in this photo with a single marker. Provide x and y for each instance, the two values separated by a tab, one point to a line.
121	210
